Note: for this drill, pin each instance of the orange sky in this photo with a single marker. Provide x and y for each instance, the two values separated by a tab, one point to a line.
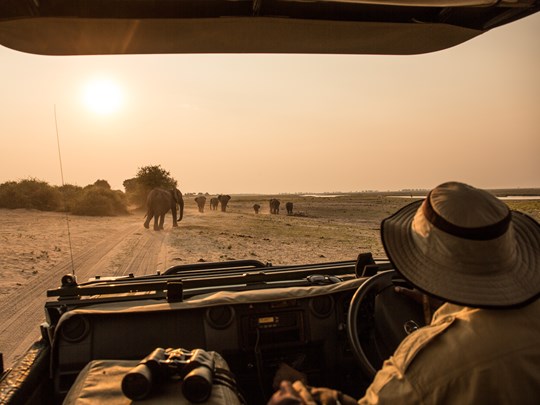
282	123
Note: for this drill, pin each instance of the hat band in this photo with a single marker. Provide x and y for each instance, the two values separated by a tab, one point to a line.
487	232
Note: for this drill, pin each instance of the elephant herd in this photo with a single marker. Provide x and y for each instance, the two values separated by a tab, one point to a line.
161	201
222	199
274	206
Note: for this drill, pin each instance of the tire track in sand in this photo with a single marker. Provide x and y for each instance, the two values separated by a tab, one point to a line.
128	250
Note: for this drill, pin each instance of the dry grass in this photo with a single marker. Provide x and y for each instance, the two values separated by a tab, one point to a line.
321	229
529	207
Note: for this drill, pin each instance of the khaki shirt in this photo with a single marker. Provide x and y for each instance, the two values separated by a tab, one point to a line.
465	356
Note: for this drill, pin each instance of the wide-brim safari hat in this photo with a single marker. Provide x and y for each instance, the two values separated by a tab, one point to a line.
464	245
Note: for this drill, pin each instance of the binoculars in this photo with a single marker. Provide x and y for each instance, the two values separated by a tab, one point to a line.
194	368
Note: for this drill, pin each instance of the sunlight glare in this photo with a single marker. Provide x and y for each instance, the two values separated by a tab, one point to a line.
103	96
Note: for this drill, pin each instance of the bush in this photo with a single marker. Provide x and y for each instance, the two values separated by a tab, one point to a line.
31	194
69	194
135	192
99	201
96	200
8	195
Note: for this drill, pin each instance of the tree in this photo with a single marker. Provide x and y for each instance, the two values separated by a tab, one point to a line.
102	184
155	176
147	178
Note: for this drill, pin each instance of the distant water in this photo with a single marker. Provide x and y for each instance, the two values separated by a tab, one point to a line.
322	195
406	196
521	197
511	197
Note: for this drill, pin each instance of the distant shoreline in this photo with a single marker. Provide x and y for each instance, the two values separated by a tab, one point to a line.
534	193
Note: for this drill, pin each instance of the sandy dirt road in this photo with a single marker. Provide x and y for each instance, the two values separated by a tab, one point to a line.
125	250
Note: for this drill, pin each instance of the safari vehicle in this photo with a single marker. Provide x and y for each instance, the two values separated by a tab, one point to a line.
335	322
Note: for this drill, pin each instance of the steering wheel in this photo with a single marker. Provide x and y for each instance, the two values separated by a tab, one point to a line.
379	319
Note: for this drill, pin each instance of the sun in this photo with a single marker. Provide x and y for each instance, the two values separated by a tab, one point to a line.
103	96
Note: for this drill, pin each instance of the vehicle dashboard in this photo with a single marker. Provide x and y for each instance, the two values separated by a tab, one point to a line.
254	330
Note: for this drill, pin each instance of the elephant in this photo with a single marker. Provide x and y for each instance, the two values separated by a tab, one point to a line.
201	201
214	203
274	206
224	200
256	208
159	202
289	207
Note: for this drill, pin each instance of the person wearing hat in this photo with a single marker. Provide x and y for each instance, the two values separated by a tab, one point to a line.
464	246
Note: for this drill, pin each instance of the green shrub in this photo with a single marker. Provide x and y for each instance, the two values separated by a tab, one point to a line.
69	193
98	201
31	194
8	197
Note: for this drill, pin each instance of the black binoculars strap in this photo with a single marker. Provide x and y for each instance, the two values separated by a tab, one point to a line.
222	376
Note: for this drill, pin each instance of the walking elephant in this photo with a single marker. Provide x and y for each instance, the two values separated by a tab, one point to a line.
256	208
274	206
289	207
201	201
161	201
223	200
214	203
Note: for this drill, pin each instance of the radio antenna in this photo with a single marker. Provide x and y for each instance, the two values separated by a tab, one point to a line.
64	191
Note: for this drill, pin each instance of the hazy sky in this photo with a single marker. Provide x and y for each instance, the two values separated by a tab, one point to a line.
281	123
